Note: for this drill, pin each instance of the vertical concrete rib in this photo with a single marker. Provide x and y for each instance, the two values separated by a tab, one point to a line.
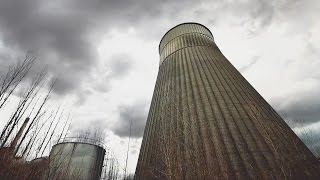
248	128
207	122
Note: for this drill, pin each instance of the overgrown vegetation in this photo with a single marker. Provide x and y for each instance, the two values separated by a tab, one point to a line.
32	126
37	123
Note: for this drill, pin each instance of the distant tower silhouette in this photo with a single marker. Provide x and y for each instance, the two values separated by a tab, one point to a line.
207	122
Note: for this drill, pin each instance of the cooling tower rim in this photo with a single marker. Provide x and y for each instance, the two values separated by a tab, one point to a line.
181	25
62	143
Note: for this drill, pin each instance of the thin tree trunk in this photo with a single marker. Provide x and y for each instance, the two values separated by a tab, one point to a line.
38	112
54	129
125	170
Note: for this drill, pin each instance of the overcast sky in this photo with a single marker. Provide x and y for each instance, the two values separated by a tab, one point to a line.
106	53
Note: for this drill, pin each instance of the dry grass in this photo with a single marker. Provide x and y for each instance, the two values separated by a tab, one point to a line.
17	168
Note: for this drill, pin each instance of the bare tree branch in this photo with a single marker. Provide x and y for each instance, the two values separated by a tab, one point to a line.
13	76
38	112
53	132
23	105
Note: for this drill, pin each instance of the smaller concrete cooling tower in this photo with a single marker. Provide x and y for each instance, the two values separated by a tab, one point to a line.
76	160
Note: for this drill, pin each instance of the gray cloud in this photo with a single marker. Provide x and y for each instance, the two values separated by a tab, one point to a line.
301	106
249	65
117	67
61	39
98	124
120	65
136	112
254	15
66	33
299	109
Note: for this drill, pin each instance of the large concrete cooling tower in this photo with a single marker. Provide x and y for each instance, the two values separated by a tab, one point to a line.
207	122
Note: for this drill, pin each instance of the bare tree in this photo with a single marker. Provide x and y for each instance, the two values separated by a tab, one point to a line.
48	130
53	132
10	79
33	120
33	107
65	125
23	106
111	167
83	135
32	139
92	135
126	167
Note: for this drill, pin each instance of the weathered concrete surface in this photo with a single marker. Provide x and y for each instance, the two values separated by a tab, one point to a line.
207	122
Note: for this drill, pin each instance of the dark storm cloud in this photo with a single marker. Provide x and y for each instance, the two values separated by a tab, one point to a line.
60	38
137	113
65	33
299	109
